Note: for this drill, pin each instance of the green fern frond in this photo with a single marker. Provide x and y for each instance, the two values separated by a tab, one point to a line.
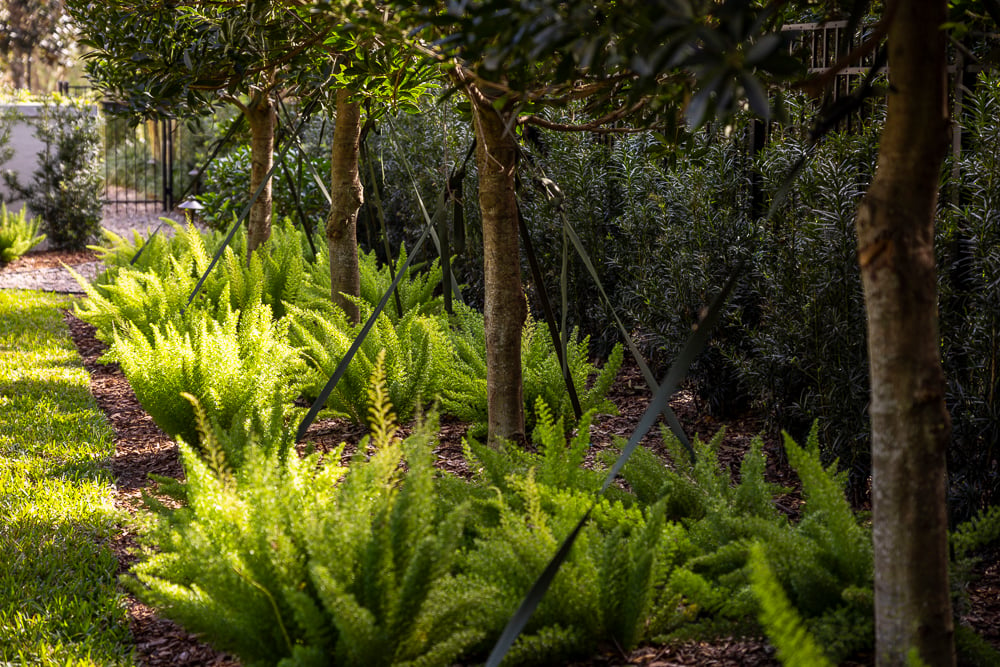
841	535
215	457
18	234
981	530
785	628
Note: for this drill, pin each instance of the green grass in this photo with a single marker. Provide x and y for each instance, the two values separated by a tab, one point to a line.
59	599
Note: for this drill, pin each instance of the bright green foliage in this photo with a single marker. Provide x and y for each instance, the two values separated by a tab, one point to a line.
157	289
18	235
465	392
604	591
528	502
416	358
235	367
416	288
291	561
59	599
557	462
796	647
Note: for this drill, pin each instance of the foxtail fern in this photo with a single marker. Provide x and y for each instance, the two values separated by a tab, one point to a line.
301	562
416	358
234	367
796	647
416	289
465	391
18	234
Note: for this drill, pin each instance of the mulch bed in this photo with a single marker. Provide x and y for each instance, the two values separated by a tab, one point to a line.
49	260
141	448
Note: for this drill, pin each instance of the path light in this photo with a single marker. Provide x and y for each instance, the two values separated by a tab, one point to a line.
190	206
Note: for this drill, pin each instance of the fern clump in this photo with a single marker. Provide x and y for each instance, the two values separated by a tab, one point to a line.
527	502
823	563
465	391
416	289
234	367
157	288
303	562
796	647
605	590
18	234
416	358
979	531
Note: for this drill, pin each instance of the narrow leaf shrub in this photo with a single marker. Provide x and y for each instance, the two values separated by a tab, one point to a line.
807	354
18	234
234	367
968	238
301	562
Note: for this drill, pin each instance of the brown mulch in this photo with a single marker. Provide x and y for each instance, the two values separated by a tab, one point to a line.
141	448
50	260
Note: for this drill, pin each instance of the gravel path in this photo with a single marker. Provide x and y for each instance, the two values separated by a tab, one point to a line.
43	270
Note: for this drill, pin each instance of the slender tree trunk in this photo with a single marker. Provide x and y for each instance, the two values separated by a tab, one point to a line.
505	308
16	68
348	196
262	118
910	423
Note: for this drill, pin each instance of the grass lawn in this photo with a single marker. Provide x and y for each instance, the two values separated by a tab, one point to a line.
59	600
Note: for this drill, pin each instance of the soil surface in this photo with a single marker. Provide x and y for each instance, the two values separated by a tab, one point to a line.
141	448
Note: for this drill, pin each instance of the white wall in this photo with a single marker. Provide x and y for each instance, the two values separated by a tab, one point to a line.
26	149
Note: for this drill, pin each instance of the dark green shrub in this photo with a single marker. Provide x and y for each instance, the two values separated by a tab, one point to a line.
226	188
67	187
969	279
806	357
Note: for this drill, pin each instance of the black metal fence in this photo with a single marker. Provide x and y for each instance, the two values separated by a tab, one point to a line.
139	157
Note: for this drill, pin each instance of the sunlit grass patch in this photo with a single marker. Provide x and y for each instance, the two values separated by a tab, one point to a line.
59	600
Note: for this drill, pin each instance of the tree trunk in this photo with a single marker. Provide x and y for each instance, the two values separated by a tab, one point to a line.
16	67
910	423
348	196
261	118
505	307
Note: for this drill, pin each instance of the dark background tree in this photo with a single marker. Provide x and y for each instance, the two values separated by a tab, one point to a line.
179	59
33	32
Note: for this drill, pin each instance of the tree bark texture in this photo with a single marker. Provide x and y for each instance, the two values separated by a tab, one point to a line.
910	422
348	195
261	118
505	309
